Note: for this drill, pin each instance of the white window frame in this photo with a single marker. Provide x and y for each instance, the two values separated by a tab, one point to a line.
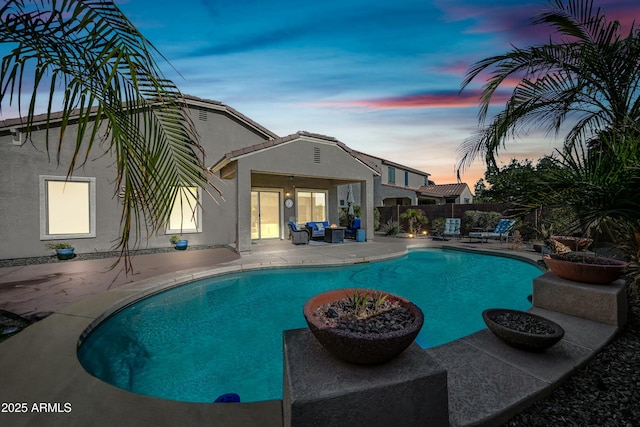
198	216
314	191
44	207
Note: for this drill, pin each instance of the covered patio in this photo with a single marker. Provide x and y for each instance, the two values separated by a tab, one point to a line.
295	178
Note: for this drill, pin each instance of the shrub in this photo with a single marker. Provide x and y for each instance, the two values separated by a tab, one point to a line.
437	227
391	228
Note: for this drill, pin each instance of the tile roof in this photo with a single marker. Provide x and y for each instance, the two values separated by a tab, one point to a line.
443	190
189	99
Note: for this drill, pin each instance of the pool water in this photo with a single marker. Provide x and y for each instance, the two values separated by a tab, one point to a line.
224	334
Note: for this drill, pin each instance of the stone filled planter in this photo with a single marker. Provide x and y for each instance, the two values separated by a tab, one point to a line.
523	330
585	269
368	348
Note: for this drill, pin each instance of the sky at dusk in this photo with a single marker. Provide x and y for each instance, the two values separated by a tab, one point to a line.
383	77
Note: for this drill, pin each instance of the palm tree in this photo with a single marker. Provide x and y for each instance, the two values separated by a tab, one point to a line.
112	87
586	78
415	218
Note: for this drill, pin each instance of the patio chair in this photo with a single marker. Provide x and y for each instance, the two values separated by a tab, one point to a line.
299	236
451	227
350	232
501	231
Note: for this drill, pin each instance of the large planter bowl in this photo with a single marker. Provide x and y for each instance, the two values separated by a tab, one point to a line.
361	348
573	243
586	272
528	341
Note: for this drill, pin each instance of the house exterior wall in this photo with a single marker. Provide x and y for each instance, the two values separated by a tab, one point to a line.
387	195
390	192
465	198
22	165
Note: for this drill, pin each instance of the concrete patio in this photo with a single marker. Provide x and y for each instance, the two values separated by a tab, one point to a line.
488	381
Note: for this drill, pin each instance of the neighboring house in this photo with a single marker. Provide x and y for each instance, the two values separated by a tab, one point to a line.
444	193
266	181
396	184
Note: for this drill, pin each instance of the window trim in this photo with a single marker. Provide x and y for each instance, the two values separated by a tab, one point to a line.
391	172
198	229
313	191
44	205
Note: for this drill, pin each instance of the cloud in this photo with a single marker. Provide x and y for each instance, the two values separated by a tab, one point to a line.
421	100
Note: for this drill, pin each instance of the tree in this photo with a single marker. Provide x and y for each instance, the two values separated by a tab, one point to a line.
586	78
415	218
112	87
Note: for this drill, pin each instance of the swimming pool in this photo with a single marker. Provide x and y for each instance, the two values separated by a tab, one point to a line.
224	334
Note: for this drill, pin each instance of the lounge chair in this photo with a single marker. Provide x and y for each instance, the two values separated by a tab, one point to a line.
451	227
299	236
501	231
350	232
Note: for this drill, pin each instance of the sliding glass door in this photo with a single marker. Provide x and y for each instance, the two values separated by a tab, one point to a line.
265	214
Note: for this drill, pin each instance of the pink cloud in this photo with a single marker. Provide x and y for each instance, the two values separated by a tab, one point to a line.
427	100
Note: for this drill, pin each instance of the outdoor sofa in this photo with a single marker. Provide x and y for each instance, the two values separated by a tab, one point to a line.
316	229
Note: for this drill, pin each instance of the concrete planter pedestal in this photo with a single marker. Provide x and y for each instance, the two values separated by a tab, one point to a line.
322	391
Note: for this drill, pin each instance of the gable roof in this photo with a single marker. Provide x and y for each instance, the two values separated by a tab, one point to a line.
443	190
211	104
300	135
190	100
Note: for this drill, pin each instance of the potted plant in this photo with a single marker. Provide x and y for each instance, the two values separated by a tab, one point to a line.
363	326
63	250
179	243
521	329
583	268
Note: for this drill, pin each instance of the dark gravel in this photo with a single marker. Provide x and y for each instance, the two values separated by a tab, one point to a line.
380	320
16	262
604	393
523	323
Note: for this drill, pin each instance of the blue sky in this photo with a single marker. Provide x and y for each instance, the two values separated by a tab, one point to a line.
383	77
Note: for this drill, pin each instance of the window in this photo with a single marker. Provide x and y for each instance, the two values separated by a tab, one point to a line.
185	216
426	180
67	207
312	205
406	178
392	175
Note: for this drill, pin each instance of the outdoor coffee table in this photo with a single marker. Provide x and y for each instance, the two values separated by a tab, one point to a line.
334	234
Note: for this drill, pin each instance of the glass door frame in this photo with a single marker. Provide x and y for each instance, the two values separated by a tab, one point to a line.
280	193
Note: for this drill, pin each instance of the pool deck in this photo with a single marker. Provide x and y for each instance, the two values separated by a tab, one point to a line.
488	381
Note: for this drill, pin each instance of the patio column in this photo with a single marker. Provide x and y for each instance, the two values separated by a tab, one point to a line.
366	206
243	210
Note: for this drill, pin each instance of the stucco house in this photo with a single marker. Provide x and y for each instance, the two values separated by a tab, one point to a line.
266	181
395	184
445	193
